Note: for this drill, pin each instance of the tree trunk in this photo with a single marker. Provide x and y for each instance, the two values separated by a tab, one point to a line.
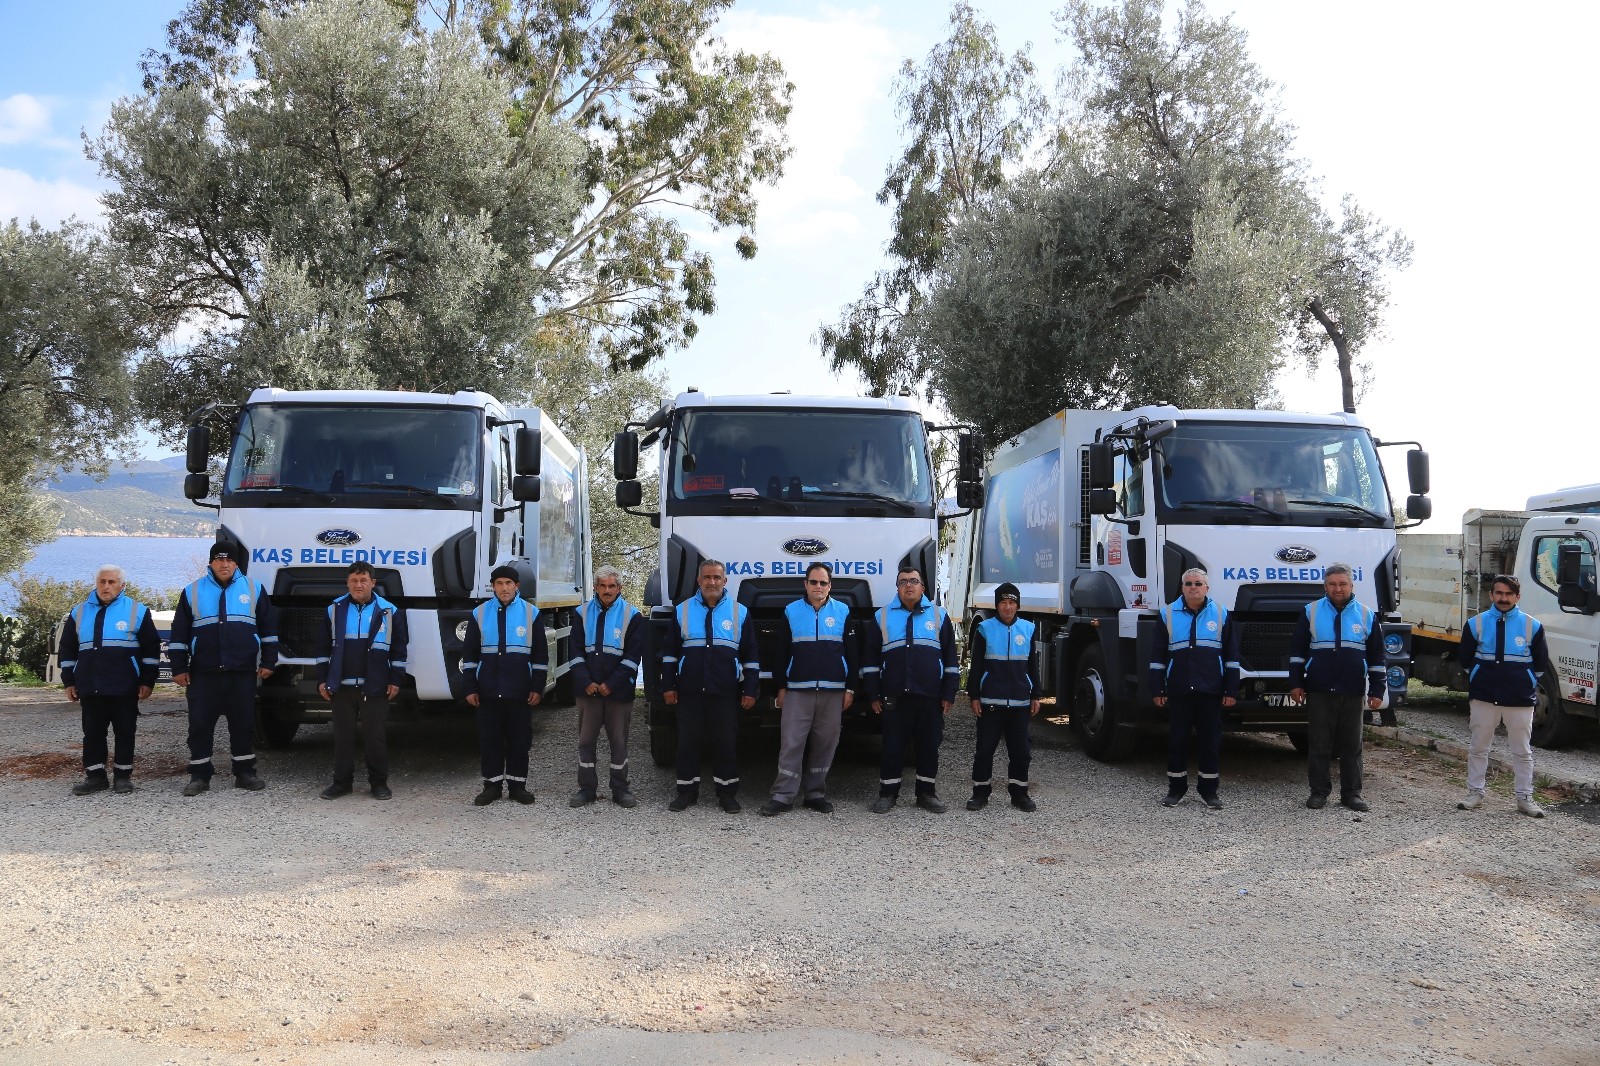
1347	384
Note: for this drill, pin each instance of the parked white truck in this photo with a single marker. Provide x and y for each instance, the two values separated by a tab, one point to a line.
1095	515
769	484
1447	578
434	491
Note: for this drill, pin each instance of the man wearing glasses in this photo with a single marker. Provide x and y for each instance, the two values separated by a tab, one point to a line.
815	662
1194	673
911	674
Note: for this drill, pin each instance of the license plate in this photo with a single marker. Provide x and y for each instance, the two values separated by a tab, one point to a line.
1276	699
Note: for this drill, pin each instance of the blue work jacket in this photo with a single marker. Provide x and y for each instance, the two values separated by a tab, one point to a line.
1004	670
1501	652
109	649
505	655
1195	651
613	645
366	645
816	646
223	627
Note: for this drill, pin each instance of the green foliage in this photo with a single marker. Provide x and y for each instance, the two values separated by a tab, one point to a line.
43	602
970	112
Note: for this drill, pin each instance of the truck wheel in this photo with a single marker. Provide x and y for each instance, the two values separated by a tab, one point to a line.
1095	711
274	729
1300	739
663	736
1553	727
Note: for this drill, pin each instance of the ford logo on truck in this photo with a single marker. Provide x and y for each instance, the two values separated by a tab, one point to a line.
338	538
1294	553
805	546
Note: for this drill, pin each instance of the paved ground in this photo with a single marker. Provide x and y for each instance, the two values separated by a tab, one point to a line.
1444	715
275	927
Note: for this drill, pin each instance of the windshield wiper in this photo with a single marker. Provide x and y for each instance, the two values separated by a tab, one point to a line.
740	496
400	485
1196	505
285	488
876	497
1374	515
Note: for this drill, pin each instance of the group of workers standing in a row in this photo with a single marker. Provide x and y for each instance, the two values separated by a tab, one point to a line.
224	641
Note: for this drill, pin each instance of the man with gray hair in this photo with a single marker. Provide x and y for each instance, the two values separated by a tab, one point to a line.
109	652
1336	658
604	671
1194	673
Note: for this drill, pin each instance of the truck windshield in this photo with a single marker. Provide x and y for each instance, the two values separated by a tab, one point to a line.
1232	472
811	462
305	455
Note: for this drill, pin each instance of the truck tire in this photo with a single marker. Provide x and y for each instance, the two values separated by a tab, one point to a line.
663	736
273	729
1096	712
1553	727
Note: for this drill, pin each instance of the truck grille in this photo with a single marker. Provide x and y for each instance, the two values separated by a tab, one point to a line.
1265	645
301	631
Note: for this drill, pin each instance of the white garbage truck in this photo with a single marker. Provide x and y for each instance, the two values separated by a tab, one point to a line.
1095	515
1447	579
768	484
434	491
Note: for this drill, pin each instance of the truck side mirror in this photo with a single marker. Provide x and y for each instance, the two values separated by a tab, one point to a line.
1571	593
1417	471
1100	469
629	493
1419	508
1102	501
969	495
196	452
530	448
625	455
196	486
525	488
969	458
1569	564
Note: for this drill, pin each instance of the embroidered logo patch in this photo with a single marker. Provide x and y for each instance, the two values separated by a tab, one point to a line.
616	633
727	624
829	622
522	631
1212	625
244	597
1020	640
1356	629
124	627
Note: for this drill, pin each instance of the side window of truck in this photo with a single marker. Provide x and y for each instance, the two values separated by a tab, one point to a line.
502	471
1546	553
1130	485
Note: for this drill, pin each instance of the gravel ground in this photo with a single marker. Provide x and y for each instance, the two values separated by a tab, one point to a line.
275	927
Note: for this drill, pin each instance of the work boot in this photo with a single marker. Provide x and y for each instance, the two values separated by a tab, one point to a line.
520	792
1355	803
931	803
90	785
729	804
491	792
1172	799
122	784
624	798
772	807
1526	805
977	802
1316	801
381	790
196	786
884	804
1211	801
1023	802
581	798
335	790
1473	801
819	804
248	780
682	802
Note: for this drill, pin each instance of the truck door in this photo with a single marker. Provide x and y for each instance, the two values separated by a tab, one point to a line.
1126	551
1574	639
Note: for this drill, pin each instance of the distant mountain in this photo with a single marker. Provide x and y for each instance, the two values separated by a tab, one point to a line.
143	498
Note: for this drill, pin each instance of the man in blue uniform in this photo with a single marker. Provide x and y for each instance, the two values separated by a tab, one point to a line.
361	673
503	665
1501	649
224	639
604	674
911	674
1194	673
709	670
110	652
815	660
1335	660
1003	684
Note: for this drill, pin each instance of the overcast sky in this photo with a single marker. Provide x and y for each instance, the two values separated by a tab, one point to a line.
1465	126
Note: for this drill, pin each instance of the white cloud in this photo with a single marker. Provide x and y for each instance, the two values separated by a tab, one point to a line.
23	118
51	201
841	64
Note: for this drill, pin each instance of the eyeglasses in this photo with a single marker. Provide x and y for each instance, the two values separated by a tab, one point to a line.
909	581
813	581
1194	584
